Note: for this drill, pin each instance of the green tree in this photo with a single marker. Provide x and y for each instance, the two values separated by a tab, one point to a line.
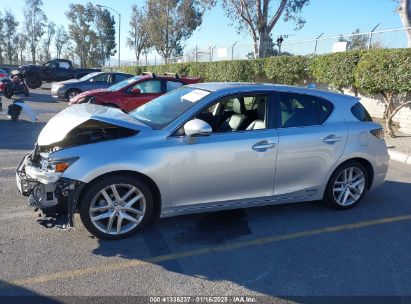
21	44
172	22
386	72
356	42
92	31
259	17
138	39
49	34
10	26
106	33
60	40
2	37
80	30
35	20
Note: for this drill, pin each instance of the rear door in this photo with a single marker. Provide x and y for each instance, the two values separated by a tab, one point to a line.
312	137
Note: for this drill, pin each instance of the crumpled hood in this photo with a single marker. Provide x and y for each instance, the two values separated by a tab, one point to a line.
70	118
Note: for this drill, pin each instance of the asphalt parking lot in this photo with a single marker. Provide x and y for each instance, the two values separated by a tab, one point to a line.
287	252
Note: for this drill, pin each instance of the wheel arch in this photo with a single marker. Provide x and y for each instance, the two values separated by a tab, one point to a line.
146	179
366	163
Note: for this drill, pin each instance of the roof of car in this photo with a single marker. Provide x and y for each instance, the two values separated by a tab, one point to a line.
233	87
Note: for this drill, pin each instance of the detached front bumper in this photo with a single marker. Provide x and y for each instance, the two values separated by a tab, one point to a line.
47	191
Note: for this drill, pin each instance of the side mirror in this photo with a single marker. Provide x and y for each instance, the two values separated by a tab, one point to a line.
91	80
135	91
197	127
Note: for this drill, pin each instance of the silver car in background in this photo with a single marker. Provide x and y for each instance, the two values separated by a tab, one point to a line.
65	90
202	148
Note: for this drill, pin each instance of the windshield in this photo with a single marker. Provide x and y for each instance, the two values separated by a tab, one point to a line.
123	84
88	76
163	110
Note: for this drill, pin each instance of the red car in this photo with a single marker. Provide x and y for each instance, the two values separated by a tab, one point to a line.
134	92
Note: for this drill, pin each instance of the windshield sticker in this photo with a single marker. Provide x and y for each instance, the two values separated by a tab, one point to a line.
195	95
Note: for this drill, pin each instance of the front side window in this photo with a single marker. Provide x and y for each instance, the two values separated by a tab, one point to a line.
101	78
243	113
298	110
149	87
163	110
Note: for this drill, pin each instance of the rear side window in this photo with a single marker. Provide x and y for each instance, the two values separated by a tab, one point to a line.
360	112
172	85
298	110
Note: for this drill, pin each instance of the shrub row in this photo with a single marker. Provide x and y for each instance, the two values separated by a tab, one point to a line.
284	70
374	71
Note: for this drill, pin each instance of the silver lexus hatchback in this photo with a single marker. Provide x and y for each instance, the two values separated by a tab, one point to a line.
202	148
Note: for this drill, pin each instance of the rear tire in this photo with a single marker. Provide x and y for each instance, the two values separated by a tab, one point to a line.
102	208
347	186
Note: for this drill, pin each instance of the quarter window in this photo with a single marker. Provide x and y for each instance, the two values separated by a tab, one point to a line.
120	77
299	110
360	112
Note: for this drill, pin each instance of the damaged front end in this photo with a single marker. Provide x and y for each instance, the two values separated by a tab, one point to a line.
48	192
40	174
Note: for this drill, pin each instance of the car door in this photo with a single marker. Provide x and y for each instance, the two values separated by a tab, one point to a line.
312	137
227	166
62	70
149	89
100	81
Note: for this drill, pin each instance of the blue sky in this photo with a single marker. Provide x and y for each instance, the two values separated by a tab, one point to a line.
333	17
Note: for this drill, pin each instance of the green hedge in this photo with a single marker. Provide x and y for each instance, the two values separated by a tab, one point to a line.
370	71
384	71
284	69
336	70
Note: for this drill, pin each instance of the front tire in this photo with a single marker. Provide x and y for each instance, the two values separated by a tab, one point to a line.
116	207
347	186
71	93
33	82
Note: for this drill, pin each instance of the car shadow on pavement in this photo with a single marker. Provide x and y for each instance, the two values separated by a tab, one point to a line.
305	266
19	135
34	97
11	294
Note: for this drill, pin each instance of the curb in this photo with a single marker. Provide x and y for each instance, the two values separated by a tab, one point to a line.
399	156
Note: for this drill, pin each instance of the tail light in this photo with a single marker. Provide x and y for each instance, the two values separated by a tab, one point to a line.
379	133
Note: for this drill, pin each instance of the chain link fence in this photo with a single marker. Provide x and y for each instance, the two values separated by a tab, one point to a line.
391	38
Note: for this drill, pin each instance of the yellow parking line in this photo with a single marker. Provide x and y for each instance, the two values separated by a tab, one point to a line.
70	274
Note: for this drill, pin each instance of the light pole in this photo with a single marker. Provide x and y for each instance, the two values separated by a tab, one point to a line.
119	29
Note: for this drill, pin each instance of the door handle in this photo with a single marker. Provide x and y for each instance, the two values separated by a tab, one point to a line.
263	145
332	139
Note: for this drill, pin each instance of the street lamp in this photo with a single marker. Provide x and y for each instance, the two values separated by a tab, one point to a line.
119	29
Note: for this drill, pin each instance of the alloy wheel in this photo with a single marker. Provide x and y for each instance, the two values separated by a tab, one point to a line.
349	186
117	209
